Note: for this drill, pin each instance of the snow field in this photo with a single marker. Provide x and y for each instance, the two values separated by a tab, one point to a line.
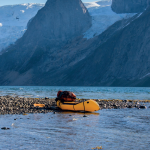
13	21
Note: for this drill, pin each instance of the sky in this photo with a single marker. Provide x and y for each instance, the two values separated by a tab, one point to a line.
11	2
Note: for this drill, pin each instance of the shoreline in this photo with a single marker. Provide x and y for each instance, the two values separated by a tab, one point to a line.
21	105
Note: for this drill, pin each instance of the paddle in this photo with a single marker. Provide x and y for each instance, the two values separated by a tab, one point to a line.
39	105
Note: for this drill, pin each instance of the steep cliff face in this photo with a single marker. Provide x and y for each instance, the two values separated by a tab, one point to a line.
57	22
129	6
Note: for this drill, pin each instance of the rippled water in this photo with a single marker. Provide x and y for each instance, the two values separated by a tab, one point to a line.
141	93
119	129
116	129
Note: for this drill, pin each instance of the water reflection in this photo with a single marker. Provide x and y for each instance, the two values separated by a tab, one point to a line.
80	113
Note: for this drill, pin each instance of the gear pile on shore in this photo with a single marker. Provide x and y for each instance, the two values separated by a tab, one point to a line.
21	105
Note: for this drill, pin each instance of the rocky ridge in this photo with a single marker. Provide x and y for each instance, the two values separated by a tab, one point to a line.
129	6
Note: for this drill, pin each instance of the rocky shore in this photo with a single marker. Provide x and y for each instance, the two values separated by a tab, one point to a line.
21	105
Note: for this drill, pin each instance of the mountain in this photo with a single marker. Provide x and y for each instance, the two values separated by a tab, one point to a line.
129	6
115	56
56	25
14	20
123	60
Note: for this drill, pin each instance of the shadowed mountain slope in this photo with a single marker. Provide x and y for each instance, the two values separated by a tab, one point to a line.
55	25
123	60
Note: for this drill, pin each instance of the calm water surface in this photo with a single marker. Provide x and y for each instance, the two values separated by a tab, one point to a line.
141	93
120	129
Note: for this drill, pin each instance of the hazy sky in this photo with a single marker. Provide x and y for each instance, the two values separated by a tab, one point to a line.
10	2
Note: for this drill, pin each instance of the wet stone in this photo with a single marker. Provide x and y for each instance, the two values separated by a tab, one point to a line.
130	106
5	128
20	105
142	107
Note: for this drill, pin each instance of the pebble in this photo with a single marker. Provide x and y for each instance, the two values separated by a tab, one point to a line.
143	107
5	128
21	105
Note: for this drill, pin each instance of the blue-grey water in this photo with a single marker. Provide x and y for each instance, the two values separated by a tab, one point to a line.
133	93
119	129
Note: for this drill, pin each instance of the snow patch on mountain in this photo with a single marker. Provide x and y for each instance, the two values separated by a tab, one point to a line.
13	21
102	17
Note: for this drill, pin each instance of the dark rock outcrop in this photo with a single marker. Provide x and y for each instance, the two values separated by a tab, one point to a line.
129	6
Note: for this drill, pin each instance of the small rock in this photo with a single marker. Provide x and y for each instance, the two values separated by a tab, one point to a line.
5	128
124	101
130	106
143	107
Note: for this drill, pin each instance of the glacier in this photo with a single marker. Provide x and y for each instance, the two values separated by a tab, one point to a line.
14	19
102	17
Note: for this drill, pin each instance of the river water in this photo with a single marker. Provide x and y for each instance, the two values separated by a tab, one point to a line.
119	129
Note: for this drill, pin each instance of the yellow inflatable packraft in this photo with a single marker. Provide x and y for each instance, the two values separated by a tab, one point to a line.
88	105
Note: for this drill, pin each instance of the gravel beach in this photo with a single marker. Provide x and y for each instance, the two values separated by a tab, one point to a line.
21	105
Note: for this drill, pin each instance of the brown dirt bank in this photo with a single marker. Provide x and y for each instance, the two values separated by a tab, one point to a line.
21	105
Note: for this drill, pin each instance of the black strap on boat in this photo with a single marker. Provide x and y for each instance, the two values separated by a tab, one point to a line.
73	107
70	103
84	109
